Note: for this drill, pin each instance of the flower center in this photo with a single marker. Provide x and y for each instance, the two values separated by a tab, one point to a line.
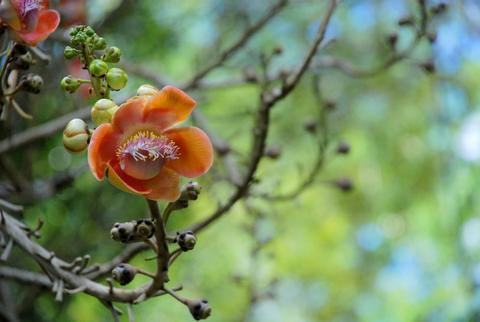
143	154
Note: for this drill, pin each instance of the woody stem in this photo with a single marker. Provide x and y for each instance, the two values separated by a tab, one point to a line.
163	254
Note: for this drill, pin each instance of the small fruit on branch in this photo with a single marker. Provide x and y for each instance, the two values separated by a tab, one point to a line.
200	309
124	273
186	240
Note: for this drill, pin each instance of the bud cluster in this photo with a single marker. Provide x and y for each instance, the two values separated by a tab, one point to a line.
95	55
132	231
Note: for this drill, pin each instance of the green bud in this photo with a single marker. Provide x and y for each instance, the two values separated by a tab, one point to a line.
147	90
117	78
99	43
89	31
76	136
79	39
70	52
103	110
98	68
112	55
70	84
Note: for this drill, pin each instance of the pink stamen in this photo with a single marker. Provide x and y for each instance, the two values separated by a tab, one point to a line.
147	146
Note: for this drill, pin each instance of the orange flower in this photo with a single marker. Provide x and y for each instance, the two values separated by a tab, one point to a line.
141	153
31	20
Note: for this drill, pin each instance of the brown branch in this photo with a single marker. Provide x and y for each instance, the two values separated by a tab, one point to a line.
268	100
242	41
25	277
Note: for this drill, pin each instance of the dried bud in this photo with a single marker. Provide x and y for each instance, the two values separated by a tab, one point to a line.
428	66
392	39
124	273
406	21
98	68
117	78
343	148
112	55
23	62
70	84
310	125
19	49
273	152
32	83
70	52
250	75
439	8
147	90
76	136
344	184
132	231
103	110
200	309
186	240
278	50
431	36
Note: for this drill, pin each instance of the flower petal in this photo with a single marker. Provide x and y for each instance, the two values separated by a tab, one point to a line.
196	151
101	149
48	21
129	115
170	106
165	186
126	183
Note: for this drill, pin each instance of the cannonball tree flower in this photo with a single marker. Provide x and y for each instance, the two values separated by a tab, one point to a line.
142	153
31	20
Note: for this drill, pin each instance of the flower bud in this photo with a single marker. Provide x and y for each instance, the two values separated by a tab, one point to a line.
76	136
186	241
190	191
70	84
132	231
88	31
32	83
99	43
344	184
22	62
124	273
343	148
103	110
98	68
70	52
200	309
117	78
112	55
146	90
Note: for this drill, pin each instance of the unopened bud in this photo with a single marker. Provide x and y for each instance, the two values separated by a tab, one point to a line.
70	84
273	152
147	90
76	136
392	39
23	62
112	55
190	191
310	125
344	184
117	78
100	43
103	110
70	52
439	8
186	240
124	273
132	231
406	21
343	148
98	68
32	83
200	309
428	66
